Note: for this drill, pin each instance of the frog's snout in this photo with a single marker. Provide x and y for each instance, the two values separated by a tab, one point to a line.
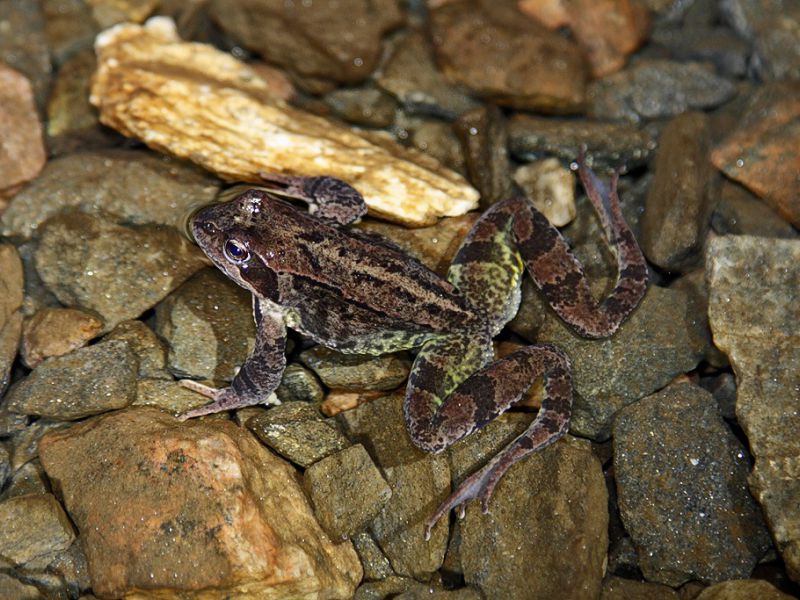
188	218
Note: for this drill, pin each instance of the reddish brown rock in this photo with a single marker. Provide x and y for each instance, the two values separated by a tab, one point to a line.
197	508
56	331
607	30
763	154
22	152
511	61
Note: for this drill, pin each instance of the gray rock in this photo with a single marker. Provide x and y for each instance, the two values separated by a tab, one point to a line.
682	195
118	272
609	145
552	504
25	443
754	313
37	296
147	347
298	384
85	382
347	491
696	519
14	588
167	395
208	326
694	285
739	212
129	186
297	431
411	75
24	46
5	466
656	89
433	137
376	565
719	46
367	106
29	479
416	479
743	589
11	289
33	525
404	588
69	26
357	372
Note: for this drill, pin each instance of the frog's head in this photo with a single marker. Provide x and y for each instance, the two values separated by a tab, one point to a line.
233	235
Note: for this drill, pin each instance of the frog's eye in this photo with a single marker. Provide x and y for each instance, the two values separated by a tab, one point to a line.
236	251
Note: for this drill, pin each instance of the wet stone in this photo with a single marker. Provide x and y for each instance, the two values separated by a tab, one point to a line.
298	384
656	89
376	565
206	507
33	526
434	138
718	45
111	12
368	106
694	285
755	320
23	153
147	347
56	331
404	588
14	588
609	145
483	135
130	186
29	479
540	69
167	395
11	290
346	490
682	195
697	519
761	153
297	431
26	49
560	496
743	589
617	588
339	41
85	382
37	295
416	479
118	272
550	188
357	372
5	465
411	75
69	27
739	212
25	443
208	326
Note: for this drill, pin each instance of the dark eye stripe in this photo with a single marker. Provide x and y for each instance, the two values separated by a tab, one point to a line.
235	251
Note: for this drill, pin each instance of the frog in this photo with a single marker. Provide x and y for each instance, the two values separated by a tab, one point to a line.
356	292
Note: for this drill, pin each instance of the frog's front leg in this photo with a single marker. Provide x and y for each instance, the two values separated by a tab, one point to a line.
259	375
329	199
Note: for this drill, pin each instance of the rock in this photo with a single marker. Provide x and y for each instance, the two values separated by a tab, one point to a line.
740	212
367	106
560	496
761	152
23	153
696	520
682	196
694	285
209	113
417	479
355	372
5	466
111	12
410	74
346	490
85	382
11	289
118	272
202	503
298	432
28	479
743	589
129	186
25	443
14	588
773	30
404	588
147	347
70	28
716	45
617	588
33	526
755	320
340	41
609	145
167	395
607	31
550	188
72	122
434	138
483	135
434	246
26	49
299	384
337	401
656	89
512	61
208	326
56	331
376	565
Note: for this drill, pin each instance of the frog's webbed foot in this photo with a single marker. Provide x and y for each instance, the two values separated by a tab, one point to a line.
329	199
223	399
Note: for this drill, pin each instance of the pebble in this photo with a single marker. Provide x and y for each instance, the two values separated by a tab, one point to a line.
23	46
33	525
351	372
11	283
56	331
550	188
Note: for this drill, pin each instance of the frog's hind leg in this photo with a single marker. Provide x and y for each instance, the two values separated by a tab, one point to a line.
440	409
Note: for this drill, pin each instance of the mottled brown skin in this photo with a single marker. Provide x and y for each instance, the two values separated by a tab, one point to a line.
356	293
